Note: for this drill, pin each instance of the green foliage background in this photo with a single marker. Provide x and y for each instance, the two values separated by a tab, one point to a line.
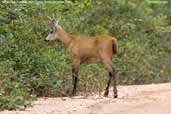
30	67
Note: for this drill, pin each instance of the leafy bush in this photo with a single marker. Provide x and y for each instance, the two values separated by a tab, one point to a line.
30	67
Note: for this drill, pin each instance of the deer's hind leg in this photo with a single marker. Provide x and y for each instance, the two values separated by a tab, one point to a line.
112	77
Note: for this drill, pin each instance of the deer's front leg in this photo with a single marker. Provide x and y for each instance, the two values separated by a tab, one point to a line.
74	81
75	70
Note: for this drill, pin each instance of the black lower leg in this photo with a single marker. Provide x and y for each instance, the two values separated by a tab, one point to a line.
108	85
114	84
74	86
74	81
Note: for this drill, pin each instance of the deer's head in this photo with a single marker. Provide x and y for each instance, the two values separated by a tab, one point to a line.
53	35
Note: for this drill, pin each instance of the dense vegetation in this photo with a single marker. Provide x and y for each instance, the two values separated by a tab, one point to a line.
30	67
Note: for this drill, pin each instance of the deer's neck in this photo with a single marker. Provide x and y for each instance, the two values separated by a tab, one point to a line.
64	37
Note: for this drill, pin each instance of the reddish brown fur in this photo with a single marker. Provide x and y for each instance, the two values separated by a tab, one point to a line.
82	49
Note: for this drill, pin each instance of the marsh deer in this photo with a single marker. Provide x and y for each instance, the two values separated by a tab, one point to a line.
83	49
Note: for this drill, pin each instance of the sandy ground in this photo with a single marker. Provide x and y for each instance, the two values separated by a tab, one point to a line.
141	99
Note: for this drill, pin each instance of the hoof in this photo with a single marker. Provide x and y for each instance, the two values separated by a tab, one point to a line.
106	94
73	95
115	96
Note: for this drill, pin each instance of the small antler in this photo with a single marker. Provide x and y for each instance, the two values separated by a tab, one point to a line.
53	16
49	17
59	19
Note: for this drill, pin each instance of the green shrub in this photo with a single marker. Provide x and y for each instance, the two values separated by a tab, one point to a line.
30	67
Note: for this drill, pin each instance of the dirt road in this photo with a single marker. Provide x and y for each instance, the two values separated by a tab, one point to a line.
141	99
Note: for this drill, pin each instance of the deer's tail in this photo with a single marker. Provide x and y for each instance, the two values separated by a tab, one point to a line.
115	45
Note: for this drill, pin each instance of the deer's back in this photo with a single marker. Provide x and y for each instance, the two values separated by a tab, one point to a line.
91	48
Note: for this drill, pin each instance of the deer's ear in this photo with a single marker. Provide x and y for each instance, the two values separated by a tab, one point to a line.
57	22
